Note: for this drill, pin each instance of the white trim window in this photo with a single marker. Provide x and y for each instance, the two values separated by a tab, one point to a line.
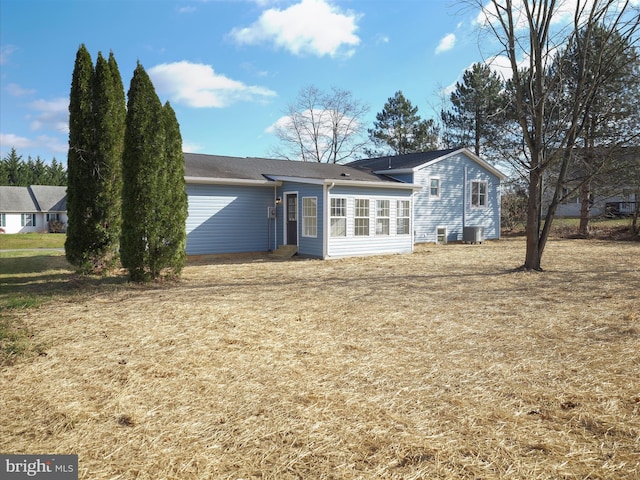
441	235
434	187
309	216
479	194
338	216
361	225
3	219
28	219
382	217
403	217
53	217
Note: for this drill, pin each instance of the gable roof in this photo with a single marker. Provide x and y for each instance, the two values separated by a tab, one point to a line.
200	168
36	198
50	198
411	162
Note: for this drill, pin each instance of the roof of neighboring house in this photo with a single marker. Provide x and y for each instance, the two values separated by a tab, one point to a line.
36	198
265	169
50	198
413	161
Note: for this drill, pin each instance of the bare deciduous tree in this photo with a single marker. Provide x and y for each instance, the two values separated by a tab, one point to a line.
322	127
551	118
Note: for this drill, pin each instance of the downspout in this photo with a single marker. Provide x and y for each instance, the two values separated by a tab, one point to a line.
275	220
327	226
464	201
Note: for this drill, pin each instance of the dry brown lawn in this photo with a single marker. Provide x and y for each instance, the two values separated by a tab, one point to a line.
441	364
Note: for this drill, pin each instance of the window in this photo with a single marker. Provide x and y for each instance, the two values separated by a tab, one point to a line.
28	220
382	217
441	235
362	217
434	187
338	217
309	216
3	219
403	226
478	194
53	217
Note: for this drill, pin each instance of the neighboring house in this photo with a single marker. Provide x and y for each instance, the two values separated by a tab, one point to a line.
30	209
323	210
614	193
460	195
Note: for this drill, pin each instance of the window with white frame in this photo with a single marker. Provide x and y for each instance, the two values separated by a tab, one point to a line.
382	217
3	219
441	235
434	187
478	193
309	216
28	220
361	226
338	216
403	224
53	217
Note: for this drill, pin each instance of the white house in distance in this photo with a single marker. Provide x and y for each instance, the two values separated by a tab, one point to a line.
30	209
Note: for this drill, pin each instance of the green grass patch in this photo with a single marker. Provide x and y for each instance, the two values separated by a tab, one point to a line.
31	240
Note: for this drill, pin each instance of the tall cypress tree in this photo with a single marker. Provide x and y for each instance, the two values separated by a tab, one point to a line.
143	168
79	189
96	131
106	177
175	204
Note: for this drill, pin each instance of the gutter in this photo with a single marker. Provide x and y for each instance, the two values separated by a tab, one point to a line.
229	181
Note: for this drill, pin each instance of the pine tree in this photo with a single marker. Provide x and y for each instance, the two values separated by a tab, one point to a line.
476	107
79	189
400	129
144	162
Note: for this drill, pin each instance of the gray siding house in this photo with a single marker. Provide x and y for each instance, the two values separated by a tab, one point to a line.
30	209
459	193
324	210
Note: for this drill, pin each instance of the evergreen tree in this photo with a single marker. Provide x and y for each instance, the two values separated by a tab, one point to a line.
14	170
79	189
174	207
57	173
476	108
108	112
96	130
144	165
399	129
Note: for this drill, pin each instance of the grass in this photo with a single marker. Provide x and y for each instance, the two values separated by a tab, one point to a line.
442	364
31	240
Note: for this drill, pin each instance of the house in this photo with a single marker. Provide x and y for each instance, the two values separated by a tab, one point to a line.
459	199
614	191
31	209
323	210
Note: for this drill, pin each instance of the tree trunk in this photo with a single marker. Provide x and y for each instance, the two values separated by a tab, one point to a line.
533	254
585	203
635	229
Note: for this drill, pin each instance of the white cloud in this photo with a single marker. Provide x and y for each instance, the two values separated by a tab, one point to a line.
189	9
447	43
10	140
199	86
53	115
310	27
5	52
16	90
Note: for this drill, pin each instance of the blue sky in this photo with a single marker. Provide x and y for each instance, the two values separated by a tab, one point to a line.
229	68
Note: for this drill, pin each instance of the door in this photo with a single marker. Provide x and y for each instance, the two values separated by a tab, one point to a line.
292	219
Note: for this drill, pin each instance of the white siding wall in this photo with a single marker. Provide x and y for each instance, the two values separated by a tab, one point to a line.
352	245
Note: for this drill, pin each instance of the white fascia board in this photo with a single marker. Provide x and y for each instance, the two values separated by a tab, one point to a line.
349	183
230	181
